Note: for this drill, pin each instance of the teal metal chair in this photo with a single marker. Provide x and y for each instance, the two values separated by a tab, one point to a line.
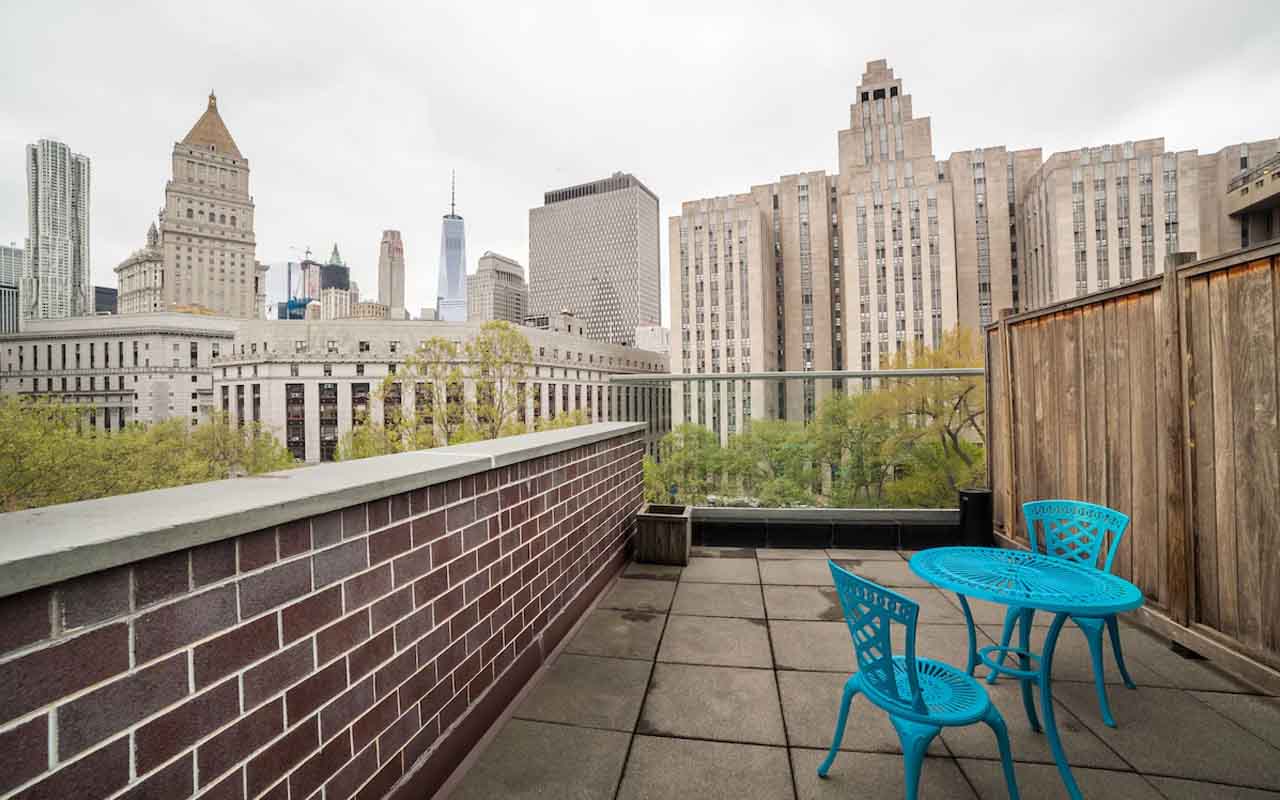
1075	530
921	695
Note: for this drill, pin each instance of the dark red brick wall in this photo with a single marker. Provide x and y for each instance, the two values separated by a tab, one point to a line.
363	651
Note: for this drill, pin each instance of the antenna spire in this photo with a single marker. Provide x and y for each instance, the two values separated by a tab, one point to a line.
453	185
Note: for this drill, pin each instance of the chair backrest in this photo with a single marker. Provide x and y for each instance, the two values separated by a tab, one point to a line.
868	611
1075	530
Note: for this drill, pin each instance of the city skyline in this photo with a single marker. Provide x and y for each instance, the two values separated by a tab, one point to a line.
1188	86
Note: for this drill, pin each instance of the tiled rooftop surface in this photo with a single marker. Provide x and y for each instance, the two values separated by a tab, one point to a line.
721	680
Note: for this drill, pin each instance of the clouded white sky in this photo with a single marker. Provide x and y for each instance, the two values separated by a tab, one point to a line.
352	115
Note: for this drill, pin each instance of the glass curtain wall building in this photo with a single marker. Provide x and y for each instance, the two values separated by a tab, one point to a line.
451	282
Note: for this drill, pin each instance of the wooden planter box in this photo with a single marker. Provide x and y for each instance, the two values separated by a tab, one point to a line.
664	534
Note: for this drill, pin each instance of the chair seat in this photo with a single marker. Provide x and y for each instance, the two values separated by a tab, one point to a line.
950	696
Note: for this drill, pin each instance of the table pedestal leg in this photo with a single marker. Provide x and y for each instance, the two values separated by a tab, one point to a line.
1024	663
973	639
1046	703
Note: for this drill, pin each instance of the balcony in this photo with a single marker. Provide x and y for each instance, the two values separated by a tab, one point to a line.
1256	189
466	622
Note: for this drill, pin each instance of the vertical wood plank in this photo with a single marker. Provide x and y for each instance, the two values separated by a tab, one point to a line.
1176	568
1224	454
1271	528
1200	369
1118	449
1093	359
1069	411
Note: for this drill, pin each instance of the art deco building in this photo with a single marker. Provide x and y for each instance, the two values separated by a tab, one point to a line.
451	280
391	273
497	290
55	281
206	227
593	251
819	271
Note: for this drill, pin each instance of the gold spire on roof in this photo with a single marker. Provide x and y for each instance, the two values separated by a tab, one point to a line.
211	130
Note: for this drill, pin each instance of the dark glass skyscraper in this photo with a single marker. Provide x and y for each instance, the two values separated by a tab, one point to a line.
451	282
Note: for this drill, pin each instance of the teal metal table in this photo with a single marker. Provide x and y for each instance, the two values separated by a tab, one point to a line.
1028	580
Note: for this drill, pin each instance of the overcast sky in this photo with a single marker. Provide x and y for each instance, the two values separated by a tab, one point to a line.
352	115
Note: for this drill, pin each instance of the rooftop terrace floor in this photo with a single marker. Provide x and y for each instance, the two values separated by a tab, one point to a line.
721	680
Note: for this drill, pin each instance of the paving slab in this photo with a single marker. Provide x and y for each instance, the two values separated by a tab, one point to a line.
789	554
799	572
723	552
885	573
823	646
540	760
1042	781
718	600
866	775
637	594
721	570
724	703
1182	789
590	691
653	572
1255	713
803	602
660	768
725	641
949	643
935	607
1071	661
1154	652
810	703
991	615
863	554
1170	732
1082	746
620	634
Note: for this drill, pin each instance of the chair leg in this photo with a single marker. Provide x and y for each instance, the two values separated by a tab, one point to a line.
1025	618
1006	635
850	689
996	723
915	739
1114	629
1093	635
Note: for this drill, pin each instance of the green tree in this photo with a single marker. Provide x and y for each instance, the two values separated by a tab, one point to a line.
437	365
850	434
565	419
690	460
498	359
775	462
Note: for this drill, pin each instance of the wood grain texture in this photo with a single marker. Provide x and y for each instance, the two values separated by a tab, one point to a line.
1199	368
1224	455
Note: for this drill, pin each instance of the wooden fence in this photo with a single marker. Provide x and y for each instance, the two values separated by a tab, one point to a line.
1159	399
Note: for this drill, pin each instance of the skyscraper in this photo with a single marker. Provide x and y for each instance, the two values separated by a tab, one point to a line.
497	290
451	283
206	228
593	251
55	273
10	269
391	273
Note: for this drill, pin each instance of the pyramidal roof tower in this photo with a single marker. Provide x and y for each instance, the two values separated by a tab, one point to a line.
210	130
451	280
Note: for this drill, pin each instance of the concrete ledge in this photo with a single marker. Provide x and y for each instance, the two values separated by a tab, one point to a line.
826	516
51	544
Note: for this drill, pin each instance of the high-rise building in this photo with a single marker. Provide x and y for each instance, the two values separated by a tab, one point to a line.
106	300
593	251
140	278
206	227
355	293
497	290
842	271
391	273
451	281
10	269
654	338
55	280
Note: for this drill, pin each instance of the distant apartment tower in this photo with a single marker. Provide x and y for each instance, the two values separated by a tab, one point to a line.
10	270
1105	216
451	281
497	290
55	281
593	251
391	273
206	227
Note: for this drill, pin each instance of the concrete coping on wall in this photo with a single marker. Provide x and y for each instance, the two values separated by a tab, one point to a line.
46	545
825	516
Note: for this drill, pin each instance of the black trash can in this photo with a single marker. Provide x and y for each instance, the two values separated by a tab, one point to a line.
975	518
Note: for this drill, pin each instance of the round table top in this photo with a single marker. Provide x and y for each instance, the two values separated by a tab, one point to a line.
1026	579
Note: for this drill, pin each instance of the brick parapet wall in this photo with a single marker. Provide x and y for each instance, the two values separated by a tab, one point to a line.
359	653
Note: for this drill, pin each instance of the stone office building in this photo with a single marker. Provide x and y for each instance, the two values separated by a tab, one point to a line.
310	383
123	368
827	272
